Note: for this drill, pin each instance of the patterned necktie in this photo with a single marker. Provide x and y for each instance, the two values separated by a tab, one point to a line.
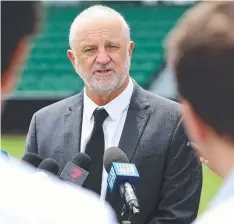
95	149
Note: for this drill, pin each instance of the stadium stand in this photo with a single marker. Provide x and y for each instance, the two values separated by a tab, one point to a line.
49	72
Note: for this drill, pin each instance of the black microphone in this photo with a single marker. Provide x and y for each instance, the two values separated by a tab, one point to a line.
49	165
122	176
76	170
32	158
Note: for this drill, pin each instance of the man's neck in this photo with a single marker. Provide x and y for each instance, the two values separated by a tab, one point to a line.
225	154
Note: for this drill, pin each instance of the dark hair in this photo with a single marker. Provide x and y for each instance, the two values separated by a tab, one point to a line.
202	51
19	19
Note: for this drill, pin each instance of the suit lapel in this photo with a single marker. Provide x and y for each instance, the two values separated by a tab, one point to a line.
133	128
72	127
136	120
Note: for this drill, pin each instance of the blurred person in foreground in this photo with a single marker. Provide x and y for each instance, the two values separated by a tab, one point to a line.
24	198
147	127
201	50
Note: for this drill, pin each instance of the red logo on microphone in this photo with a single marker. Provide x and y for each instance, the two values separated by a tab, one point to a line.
76	173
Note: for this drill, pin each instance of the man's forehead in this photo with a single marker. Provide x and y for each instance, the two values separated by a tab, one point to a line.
105	31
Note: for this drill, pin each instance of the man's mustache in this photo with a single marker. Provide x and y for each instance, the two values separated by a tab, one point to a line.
103	67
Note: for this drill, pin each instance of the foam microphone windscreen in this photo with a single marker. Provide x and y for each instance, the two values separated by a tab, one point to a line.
82	160
32	159
114	154
49	165
77	170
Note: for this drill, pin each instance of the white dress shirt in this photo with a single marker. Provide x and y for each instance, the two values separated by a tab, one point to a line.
221	209
112	126
26	198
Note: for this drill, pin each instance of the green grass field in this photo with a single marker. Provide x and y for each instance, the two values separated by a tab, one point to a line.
14	145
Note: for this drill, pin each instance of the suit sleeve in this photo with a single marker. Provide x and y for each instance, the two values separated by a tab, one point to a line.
31	140
182	184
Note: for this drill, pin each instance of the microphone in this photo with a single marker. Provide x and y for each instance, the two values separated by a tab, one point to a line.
32	159
76	170
122	176
49	165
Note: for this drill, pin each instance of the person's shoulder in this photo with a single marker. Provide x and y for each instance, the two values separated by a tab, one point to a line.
163	107
86	206
75	204
61	106
79	204
48	200
159	101
222	213
156	102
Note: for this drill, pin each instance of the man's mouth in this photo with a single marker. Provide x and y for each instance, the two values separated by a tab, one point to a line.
103	71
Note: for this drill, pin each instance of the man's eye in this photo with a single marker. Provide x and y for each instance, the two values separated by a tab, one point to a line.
112	46
89	49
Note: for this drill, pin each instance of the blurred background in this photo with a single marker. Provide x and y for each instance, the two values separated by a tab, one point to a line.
49	77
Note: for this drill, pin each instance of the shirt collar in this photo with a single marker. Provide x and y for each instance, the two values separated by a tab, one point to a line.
113	108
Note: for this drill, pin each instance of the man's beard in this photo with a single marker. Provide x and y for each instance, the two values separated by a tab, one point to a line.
105	84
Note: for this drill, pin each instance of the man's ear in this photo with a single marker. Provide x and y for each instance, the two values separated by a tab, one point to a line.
195	126
130	49
71	57
11	75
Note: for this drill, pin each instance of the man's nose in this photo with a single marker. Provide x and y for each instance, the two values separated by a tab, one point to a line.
103	57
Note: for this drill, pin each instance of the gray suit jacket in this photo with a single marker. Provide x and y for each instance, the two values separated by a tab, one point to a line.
153	138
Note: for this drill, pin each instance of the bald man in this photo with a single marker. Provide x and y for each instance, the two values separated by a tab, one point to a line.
25	198
113	110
